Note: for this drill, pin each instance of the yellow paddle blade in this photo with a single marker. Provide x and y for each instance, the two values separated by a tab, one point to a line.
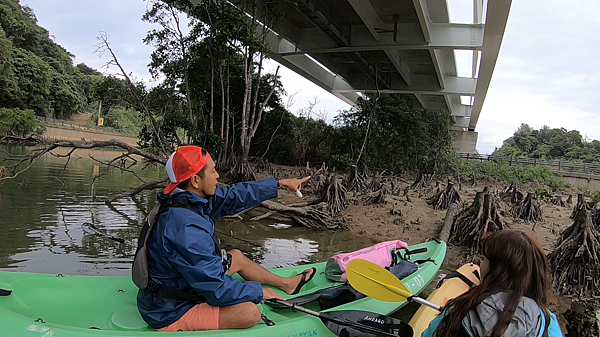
375	281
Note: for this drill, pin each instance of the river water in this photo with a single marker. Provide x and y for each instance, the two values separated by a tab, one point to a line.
42	211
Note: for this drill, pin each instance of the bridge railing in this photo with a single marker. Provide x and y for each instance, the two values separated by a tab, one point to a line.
558	165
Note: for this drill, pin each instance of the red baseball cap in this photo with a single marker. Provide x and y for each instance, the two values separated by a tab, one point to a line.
184	163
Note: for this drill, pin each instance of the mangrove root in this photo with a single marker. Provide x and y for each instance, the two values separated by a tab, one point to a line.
355	181
242	171
421	181
512	194
309	216
444	198
582	317
264	165
581	204
575	262
557	200
483	216
528	209
374	185
335	196
376	198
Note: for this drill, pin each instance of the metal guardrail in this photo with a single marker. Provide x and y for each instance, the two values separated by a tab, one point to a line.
104	129
558	165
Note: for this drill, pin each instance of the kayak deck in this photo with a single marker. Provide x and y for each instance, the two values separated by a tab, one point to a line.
106	305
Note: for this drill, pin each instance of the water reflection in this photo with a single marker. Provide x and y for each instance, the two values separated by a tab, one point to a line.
43	209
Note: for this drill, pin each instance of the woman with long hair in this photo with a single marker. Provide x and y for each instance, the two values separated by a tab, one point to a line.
512	299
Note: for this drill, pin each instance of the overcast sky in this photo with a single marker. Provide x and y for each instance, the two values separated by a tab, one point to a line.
546	74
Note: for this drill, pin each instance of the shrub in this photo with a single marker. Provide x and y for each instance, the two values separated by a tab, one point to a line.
20	123
500	171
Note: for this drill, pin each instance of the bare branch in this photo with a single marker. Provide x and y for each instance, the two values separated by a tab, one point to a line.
101	48
135	190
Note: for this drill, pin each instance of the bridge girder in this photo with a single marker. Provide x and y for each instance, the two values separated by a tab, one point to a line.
349	47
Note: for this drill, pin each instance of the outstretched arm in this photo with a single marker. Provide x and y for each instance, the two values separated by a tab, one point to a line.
238	197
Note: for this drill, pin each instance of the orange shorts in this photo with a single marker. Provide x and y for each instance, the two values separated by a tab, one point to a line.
200	317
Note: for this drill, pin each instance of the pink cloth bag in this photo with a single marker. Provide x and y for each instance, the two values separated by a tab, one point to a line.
380	254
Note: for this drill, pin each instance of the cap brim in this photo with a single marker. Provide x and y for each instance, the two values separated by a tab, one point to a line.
170	188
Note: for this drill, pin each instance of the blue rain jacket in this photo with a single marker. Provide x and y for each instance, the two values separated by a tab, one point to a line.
182	256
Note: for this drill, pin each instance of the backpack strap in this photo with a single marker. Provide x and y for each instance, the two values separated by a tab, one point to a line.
462	332
458	275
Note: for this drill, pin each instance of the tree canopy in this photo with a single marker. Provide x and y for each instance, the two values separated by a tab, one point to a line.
35	72
547	143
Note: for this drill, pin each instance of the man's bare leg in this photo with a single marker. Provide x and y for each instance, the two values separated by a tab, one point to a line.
239	316
251	271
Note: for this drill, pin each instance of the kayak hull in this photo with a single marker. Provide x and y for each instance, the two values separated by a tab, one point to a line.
450	288
48	305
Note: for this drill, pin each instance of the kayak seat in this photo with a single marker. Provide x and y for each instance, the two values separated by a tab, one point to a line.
128	319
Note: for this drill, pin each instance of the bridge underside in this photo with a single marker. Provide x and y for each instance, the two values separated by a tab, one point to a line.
349	47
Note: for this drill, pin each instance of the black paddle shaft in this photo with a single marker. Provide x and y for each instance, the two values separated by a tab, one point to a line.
355	323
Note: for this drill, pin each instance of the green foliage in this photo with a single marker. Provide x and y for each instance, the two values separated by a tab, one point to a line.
595	196
123	119
35	72
20	123
341	161
464	204
399	137
543	193
549	143
501	171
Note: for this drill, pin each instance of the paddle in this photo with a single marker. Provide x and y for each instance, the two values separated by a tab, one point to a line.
356	323
378	283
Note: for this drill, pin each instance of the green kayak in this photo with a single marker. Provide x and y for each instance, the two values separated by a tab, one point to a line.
47	305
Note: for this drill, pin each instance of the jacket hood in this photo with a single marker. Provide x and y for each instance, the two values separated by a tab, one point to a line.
178	193
527	320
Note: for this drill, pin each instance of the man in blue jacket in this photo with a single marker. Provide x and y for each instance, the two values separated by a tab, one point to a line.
193	288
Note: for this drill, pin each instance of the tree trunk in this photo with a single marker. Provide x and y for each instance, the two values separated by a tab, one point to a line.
222	99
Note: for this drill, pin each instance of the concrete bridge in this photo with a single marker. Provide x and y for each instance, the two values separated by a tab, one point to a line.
349	47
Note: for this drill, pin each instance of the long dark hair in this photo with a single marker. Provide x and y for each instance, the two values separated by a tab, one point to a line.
517	266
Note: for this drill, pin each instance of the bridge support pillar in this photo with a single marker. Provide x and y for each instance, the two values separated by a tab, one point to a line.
464	141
